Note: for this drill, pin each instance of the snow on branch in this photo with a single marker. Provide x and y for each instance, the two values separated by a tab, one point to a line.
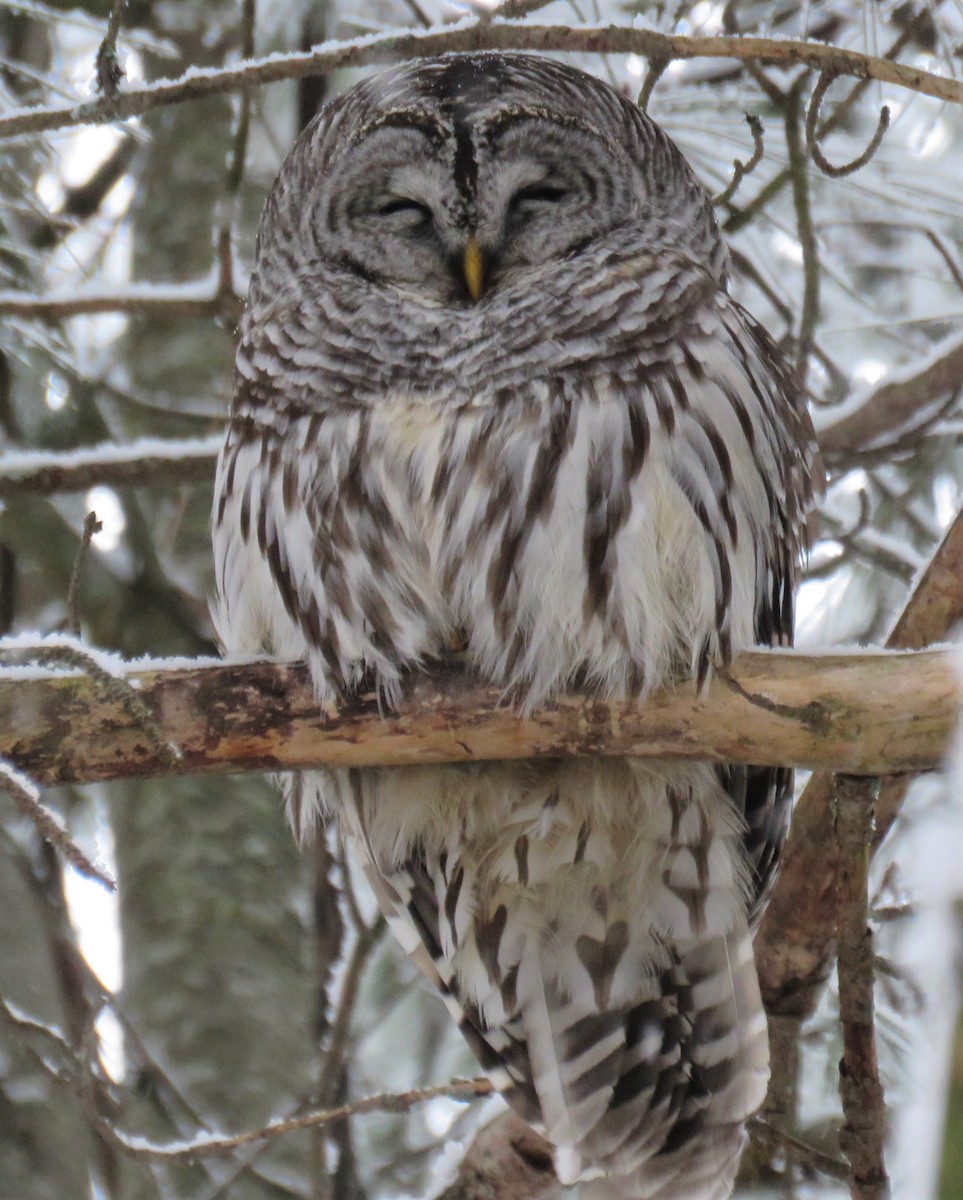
906	403
205	1145
484	34
861	712
140	463
143	300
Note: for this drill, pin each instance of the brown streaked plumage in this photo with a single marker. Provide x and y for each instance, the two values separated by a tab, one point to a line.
492	391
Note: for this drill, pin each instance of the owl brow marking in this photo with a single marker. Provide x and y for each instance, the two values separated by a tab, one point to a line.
418	119
492	126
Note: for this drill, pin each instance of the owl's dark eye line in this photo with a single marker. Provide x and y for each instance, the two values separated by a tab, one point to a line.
545	193
405	205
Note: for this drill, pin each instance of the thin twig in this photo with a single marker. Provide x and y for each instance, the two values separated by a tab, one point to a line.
812	143
777	1139
418	13
653	74
745	215
389	1102
228	298
109	70
475	35
368	938
91	526
799	174
864	1108
740	169
26	796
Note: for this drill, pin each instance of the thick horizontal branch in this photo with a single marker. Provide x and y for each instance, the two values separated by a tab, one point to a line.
147	461
479	35
862	713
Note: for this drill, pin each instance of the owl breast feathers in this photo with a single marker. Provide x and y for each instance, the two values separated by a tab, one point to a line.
492	388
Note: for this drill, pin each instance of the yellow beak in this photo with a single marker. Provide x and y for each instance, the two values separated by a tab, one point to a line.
474	266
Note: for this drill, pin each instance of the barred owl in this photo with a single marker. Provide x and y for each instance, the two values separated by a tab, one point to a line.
492	390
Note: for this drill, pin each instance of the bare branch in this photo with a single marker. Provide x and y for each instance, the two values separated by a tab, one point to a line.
207	1145
478	35
741	169
26	796
812	143
900	402
805	227
91	526
795	943
863	713
864	1107
653	73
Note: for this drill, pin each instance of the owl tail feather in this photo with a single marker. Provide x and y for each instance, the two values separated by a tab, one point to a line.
702	1169
694	1066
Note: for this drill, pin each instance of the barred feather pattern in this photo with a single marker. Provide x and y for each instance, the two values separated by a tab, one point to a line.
596	476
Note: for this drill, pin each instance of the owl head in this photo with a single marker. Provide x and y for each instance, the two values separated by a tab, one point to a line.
449	179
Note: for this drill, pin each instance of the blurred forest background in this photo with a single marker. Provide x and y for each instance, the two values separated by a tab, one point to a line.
231	980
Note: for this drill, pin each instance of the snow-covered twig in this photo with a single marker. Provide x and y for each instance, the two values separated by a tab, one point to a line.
909	398
472	34
26	796
208	1144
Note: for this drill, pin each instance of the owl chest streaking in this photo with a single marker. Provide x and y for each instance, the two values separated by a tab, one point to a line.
491	387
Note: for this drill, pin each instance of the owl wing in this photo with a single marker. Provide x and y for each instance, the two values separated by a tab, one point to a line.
763	795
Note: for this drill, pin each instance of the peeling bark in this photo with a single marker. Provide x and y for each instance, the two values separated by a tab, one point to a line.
861	713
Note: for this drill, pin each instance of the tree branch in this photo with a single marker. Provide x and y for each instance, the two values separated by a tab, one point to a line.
506	1161
863	713
479	35
206	1145
864	1109
795	943
903	400
169	301
142	463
